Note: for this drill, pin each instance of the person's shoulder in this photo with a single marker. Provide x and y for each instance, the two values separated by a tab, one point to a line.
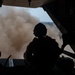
33	41
51	39
48	37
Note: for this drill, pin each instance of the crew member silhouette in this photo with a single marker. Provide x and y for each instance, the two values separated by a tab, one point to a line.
43	51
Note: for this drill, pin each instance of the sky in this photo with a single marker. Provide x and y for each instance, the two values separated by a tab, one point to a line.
38	12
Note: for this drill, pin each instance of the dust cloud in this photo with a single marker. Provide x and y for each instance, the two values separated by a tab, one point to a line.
16	31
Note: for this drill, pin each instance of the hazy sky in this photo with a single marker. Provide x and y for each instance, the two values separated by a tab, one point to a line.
39	13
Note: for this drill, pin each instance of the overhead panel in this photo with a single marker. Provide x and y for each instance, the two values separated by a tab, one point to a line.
25	3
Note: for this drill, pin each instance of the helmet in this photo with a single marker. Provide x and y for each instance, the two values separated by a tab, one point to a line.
40	30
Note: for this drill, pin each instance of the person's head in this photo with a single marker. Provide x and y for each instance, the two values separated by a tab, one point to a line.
40	30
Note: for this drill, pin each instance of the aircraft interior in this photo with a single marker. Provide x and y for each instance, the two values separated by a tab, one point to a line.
62	12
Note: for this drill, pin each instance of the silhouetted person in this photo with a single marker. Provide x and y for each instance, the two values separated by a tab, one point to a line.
43	51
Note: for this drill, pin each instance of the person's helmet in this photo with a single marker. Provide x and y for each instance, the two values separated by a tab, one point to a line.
40	30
